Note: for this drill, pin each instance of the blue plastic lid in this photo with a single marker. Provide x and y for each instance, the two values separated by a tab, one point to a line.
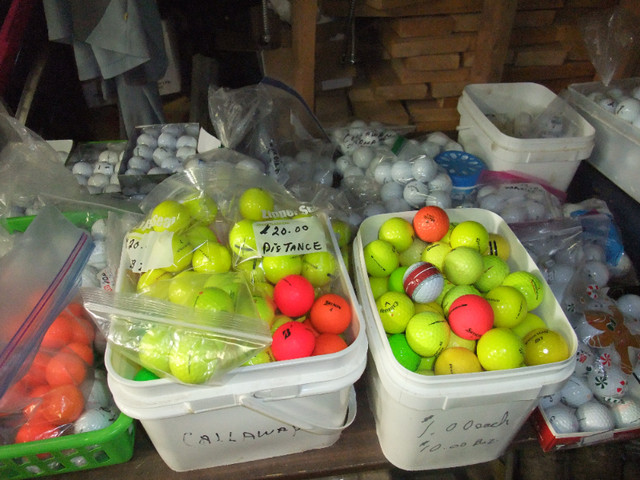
463	168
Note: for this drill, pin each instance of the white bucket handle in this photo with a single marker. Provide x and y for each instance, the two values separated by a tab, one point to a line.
274	410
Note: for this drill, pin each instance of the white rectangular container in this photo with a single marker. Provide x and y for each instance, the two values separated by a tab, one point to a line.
256	412
432	422
616	153
552	160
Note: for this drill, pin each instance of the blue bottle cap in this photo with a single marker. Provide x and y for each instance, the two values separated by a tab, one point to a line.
463	168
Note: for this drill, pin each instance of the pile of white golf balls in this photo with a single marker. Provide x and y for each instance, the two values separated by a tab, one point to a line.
96	166
162	149
597	397
519	202
528	125
624	103
384	181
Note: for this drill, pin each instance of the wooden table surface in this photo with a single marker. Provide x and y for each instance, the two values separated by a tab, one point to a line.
357	450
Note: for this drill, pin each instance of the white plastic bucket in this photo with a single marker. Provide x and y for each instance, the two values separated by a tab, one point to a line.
553	160
431	422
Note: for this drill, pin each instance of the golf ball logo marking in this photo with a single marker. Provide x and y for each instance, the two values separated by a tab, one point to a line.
423	282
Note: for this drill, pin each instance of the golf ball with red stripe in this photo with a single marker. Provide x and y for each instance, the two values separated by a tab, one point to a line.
423	282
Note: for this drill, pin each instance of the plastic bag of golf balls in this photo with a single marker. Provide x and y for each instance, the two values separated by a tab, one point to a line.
515	200
64	389
95	165
272	123
603	393
381	178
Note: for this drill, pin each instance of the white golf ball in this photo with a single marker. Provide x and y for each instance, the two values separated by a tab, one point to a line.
535	210
593	416
424	169
148	140
629	304
585	360
82	168
628	109
626	413
439	198
104	168
382	173
112	188
622	268
401	172
154	171
576	391
192	129
635	92
616	93
374	209
99	229
92	420
186	141
108	156
160	153
397	205
391	190
452	146
173	129
597	273
609	104
439	138
343	163
431	149
353	171
173	164
563	419
143	151
98	180
250	165
184	152
513	213
608	382
550	400
98	257
166	140
415	193
441	182
594	252
362	157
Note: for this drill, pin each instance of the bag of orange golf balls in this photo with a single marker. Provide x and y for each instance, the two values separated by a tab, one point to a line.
449	301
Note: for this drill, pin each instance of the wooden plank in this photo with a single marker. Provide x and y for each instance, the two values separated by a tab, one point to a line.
539	4
332	108
552	54
428	110
303	35
447	89
386	4
429	26
415	76
535	18
466	22
437	126
533	36
493	41
361	92
537	74
448	61
386	85
399	47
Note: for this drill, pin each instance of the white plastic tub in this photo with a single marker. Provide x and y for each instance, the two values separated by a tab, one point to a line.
431	422
616	153
553	160
257	412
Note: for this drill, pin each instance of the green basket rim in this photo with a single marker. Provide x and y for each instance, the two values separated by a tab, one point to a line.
65	442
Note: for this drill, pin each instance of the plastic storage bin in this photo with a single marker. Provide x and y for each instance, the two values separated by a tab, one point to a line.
70	453
616	153
552	160
257	412
431	422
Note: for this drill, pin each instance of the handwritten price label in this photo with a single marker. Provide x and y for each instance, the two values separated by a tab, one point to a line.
293	236
149	250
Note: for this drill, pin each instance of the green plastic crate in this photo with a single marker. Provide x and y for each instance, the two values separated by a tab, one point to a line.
69	453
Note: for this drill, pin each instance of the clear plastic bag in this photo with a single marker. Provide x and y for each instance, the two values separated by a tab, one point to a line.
611	37
38	277
190	345
269	121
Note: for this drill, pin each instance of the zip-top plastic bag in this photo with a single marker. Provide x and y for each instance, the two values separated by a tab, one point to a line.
38	278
